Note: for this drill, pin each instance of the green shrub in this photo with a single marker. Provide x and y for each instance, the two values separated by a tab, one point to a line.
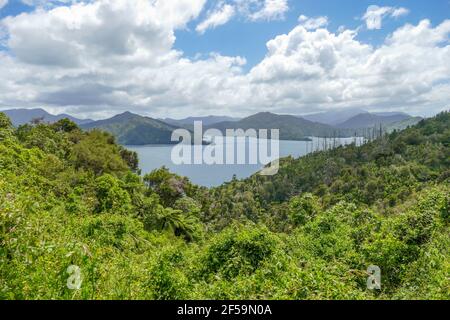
238	251
303	209
111	196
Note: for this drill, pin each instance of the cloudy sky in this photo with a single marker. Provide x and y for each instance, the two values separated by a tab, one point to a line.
231	57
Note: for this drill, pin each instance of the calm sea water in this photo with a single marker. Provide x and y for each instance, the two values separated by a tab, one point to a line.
152	157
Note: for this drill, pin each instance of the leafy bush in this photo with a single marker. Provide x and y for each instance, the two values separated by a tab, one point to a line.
238	251
303	209
111	196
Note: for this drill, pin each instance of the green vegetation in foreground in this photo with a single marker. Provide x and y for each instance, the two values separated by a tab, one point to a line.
69	197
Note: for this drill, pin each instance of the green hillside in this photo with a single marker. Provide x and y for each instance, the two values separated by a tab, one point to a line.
369	120
291	127
401	125
132	129
73	198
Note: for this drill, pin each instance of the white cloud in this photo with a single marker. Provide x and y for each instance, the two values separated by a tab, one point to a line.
374	15
250	10
49	3
320	68
216	18
98	59
270	10
399	12
110	54
80	35
313	23
3	3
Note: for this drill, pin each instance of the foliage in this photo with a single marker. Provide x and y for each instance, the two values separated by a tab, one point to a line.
132	129
98	152
69	197
303	209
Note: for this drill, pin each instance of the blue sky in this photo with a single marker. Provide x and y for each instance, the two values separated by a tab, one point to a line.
191	57
241	37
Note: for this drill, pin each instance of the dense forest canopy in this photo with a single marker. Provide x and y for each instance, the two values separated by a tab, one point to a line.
69	197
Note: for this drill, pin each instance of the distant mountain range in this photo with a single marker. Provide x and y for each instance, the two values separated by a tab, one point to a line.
23	116
291	127
355	118
402	125
334	123
367	120
334	117
207	121
133	129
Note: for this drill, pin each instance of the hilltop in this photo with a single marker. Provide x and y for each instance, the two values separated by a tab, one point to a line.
133	129
291	127
24	116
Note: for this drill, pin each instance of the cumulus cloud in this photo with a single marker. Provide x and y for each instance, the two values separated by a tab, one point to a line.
120	49
82	34
374	15
322	68
98	59
217	17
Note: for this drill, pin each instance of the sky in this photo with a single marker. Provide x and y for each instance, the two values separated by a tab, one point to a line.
179	58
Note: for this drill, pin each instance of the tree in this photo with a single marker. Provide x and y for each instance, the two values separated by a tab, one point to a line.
6	127
131	159
65	125
303	208
170	187
111	196
5	122
97	151
174	221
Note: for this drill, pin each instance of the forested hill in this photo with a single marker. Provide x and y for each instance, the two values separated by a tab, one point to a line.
69	197
188	123
133	129
291	127
369	120
382	173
